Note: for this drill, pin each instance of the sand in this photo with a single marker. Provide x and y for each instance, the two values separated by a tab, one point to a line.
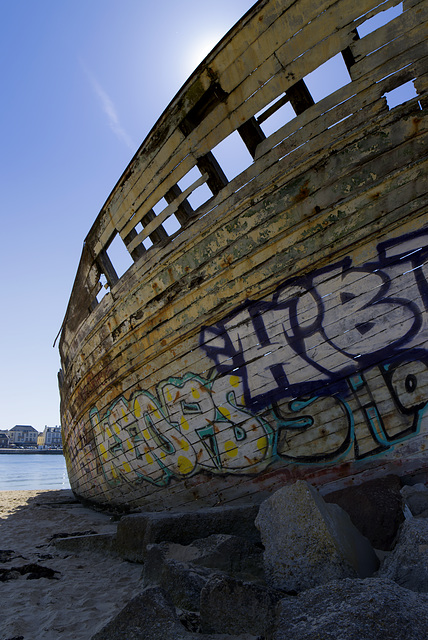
91	587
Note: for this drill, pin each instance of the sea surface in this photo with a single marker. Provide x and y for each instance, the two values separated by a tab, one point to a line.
27	471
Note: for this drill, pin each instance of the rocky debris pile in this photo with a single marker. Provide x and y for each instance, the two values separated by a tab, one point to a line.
353	610
297	568
136	531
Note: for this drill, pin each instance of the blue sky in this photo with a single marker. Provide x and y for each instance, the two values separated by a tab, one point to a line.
83	82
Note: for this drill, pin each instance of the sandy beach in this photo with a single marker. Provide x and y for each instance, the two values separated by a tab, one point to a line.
87	589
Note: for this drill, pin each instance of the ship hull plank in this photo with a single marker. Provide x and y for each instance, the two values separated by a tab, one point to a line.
281	333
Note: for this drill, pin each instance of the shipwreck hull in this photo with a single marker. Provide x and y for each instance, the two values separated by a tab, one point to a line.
281	331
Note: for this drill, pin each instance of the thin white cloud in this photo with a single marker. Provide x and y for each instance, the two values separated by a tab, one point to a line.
110	111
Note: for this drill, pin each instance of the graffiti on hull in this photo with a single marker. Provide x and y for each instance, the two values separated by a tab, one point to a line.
334	366
319	329
192	424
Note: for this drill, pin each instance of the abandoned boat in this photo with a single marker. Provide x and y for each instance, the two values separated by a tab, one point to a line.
272	321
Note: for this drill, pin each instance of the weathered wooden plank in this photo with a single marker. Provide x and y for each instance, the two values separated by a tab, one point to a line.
168	211
220	491
217	138
403	51
152	203
165	135
123	220
232	64
104	226
304	52
343	177
292	24
147	354
168	155
253	172
321	203
385	35
331	109
368	439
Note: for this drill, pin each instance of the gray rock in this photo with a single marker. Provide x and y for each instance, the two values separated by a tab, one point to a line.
151	616
234	606
353	610
136	531
308	542
231	554
407	564
375	508
183	570
182	581
416	498
234	555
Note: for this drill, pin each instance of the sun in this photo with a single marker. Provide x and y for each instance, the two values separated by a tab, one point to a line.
197	49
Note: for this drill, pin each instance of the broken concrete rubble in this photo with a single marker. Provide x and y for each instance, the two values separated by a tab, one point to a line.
232	554
252	609
407	565
136	531
151	616
182	581
183	570
353	610
308	542
216	587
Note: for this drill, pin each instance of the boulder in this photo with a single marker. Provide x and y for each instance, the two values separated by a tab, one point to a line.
375	508
136	531
151	616
416	499
308	542
182	570
353	610
235	606
233	554
407	564
182	581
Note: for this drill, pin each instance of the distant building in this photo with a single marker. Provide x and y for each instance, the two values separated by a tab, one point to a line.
50	438
23	435
4	439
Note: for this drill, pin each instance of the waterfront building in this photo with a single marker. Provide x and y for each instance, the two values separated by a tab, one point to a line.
50	438
4	439
23	435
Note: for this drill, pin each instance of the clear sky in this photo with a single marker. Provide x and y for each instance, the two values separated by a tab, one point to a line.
82	83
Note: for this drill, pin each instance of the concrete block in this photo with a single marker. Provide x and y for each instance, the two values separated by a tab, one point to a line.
308	542
136	531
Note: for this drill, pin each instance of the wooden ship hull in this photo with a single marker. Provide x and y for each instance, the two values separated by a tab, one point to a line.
280	332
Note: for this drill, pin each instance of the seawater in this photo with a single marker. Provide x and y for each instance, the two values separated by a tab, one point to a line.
31	471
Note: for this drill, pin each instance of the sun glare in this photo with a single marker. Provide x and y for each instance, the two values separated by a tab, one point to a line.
197	49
